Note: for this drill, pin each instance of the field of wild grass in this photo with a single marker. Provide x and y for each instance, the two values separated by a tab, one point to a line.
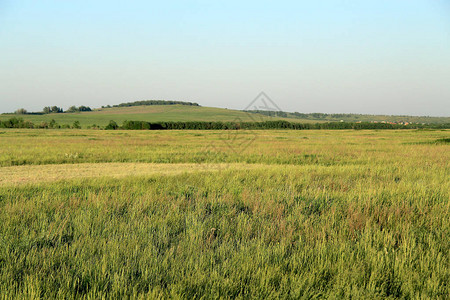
215	214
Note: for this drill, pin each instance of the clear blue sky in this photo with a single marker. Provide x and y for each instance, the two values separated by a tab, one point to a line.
361	56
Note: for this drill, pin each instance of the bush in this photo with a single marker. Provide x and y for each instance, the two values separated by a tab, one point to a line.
76	125
112	125
16	123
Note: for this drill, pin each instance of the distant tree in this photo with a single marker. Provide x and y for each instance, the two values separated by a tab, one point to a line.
47	110
76	125
56	109
72	109
156	102
21	111
84	108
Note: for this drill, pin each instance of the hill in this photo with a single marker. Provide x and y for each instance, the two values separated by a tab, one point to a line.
149	113
178	111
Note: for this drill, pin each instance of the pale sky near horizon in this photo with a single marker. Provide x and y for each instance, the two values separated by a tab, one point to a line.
361	56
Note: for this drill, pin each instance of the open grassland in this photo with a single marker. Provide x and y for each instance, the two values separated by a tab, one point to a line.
149	113
246	214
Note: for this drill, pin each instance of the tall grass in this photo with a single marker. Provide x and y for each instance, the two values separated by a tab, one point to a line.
323	147
368	217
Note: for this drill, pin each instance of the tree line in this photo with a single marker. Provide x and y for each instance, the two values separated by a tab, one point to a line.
276	124
53	109
283	114
73	109
21	123
153	102
201	125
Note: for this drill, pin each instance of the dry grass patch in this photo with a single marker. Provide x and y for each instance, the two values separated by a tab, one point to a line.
17	175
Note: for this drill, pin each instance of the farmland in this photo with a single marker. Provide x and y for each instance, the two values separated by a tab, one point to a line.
233	214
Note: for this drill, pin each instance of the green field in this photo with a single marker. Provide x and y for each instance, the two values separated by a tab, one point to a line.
263	214
150	113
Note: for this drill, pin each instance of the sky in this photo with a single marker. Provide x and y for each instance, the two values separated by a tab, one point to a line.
361	56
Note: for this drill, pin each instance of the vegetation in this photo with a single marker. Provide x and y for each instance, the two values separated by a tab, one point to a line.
21	111
136	125
74	109
278	124
259	214
16	123
151	113
53	109
191	113
155	102
76	125
351	117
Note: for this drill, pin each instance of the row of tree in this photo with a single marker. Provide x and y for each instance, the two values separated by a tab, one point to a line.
314	116
278	124
143	125
21	123
73	109
53	109
155	102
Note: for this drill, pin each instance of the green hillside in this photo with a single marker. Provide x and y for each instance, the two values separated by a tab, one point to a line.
152	113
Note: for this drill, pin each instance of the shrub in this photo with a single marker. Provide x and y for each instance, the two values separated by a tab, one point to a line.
76	125
53	124
16	123
112	125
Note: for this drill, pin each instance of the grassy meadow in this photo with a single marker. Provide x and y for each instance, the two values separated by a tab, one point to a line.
264	214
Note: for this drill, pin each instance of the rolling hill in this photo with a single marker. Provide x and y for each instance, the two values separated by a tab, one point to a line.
184	113
149	113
